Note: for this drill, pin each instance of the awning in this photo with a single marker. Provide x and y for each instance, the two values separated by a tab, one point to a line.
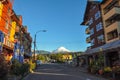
105	47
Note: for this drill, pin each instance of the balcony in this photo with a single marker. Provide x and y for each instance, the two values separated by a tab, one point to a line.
112	12
4	1
112	36
88	48
88	40
17	29
112	26
87	31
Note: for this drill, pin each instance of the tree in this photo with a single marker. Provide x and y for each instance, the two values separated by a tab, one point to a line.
59	57
41	57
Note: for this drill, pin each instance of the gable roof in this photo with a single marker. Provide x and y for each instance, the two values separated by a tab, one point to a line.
88	6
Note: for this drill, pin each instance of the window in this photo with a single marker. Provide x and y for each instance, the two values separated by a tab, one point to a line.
92	42
100	38
6	26
90	21
97	15
9	11
112	35
92	31
94	7
99	26
9	32
8	43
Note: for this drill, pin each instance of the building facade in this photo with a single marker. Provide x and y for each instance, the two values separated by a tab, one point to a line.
107	25
111	19
16	34
6	27
93	21
15	40
26	42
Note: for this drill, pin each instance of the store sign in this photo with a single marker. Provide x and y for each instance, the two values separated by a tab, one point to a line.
1	8
1	40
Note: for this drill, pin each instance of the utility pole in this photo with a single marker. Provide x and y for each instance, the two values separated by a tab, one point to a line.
34	45
35	40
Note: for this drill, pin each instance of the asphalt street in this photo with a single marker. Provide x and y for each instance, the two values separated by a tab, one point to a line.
59	72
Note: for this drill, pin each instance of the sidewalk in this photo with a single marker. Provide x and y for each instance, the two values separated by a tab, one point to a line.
84	70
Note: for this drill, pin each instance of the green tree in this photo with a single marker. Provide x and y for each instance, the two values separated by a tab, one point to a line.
41	57
53	56
59	57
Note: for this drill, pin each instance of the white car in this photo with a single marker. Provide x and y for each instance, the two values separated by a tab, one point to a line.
38	62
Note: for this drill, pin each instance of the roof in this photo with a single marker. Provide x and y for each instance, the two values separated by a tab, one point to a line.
89	3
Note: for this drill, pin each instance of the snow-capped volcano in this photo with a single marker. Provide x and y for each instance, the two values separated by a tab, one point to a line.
61	50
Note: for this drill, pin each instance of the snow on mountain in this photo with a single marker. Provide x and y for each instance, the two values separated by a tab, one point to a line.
61	50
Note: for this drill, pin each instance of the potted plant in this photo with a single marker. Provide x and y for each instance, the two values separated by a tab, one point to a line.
101	71
107	71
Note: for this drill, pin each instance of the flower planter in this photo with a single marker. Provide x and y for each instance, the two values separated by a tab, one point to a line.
117	76
100	72
107	74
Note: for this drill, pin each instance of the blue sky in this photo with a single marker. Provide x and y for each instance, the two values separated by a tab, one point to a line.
61	19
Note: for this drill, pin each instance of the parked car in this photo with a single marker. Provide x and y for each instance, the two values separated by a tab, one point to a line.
38	62
52	61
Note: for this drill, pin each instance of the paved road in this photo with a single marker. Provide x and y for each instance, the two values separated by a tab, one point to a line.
59	72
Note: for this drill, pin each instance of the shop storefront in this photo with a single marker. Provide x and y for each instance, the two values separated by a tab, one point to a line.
18	52
105	59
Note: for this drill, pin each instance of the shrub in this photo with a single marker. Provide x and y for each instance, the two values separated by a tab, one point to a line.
24	69
15	68
19	69
3	67
32	66
107	69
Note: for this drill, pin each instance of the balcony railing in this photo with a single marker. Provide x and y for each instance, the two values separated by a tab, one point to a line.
87	30
88	47
88	40
115	10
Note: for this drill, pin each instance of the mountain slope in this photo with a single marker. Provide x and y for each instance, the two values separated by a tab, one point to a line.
61	50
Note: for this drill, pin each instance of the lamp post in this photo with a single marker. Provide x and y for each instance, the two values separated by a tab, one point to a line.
35	40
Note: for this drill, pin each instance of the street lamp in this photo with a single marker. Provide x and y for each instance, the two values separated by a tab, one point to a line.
35	40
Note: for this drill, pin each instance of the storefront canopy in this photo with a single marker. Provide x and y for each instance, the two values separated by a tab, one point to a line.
105	47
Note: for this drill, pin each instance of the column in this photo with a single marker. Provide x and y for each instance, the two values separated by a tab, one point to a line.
119	54
105	59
